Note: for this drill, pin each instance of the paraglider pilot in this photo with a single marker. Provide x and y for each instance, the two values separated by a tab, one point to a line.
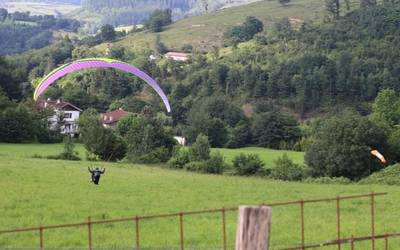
96	173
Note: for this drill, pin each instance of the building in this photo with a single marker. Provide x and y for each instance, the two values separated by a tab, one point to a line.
177	56
181	140
66	116
111	119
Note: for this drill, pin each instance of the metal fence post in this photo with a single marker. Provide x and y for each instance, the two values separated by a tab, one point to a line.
302	223
137	232
41	237
338	222
373	220
181	230
224	228
89	223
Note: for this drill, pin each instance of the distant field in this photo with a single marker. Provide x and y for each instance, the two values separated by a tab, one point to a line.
43	8
206	31
28	150
38	191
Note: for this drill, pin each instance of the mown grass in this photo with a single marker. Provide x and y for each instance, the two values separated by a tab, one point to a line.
206	31
38	191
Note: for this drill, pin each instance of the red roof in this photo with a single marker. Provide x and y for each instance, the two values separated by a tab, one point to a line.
56	104
113	116
178	54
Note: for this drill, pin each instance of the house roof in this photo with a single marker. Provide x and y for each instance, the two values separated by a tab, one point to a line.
57	104
113	116
177	54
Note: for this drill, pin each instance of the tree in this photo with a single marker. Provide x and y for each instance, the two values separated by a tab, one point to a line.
386	107
272	128
285	169
100	141
367	3
247	165
16	125
158	19
3	14
244	32
333	7
107	33
342	146
147	139
200	150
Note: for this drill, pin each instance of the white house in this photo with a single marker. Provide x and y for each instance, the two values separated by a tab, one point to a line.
181	140
177	56
66	115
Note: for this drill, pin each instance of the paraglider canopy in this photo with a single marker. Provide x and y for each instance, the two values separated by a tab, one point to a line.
98	63
378	155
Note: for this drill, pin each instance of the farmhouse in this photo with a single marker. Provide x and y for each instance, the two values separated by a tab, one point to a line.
66	116
111	119
177	56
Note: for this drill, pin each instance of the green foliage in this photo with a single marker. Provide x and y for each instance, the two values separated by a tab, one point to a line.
328	180
147	139
68	153
214	165
107	33
244	32
158	19
285	169
386	107
200	150
342	146
240	136
272	128
387	176
16	125
247	165
180	158
98	140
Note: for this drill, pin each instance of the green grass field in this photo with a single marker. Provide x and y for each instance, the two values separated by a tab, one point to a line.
205	32
39	191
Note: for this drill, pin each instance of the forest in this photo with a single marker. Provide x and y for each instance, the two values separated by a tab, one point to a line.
22	31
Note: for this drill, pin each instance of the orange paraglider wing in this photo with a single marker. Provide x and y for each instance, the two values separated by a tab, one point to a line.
378	155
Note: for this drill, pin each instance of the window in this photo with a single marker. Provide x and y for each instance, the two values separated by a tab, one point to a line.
68	115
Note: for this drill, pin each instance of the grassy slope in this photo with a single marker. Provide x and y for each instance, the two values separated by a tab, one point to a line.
206	31
34	191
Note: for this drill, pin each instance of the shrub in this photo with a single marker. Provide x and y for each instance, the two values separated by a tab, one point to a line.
157	155
387	176
195	166
200	150
247	164
68	153
328	180
179	158
285	169
215	165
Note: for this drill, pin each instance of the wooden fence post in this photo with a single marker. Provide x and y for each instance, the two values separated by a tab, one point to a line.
254	226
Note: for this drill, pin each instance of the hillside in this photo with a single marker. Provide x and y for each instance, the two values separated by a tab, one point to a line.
36	191
206	31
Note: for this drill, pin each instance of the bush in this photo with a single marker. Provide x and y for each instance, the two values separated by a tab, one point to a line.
328	180
215	165
157	155
179	158
387	176
247	164
200	150
68	153
285	169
